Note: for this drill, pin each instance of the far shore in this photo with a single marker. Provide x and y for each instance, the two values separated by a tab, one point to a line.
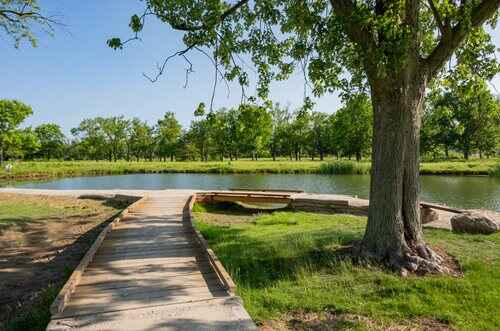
43	170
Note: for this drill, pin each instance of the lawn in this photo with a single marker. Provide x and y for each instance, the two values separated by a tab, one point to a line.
288	272
42	239
53	169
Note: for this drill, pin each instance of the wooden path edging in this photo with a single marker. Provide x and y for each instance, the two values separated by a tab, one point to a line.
214	261
65	293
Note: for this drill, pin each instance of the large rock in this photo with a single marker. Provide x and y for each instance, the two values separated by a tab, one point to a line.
475	222
428	215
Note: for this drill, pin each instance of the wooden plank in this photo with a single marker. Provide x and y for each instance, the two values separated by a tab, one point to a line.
145	268
213	259
151	261
145	284
441	207
146	254
266	190
137	275
242	198
147	234
151	226
64	295
146	242
123	247
85	306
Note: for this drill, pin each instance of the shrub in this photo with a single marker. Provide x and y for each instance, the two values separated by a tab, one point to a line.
344	168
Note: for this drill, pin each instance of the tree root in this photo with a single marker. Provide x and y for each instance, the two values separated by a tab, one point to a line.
420	260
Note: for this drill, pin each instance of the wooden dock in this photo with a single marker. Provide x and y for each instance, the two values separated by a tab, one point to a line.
150	272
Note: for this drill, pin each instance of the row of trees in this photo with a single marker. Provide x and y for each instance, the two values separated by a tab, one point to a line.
463	118
249	130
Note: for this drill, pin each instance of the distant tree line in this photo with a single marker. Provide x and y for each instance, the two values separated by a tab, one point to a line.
462	118
247	131
461	115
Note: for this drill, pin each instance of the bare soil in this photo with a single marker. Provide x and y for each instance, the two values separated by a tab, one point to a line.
326	321
37	252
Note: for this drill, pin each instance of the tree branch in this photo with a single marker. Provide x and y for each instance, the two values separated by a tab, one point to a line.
454	37
161	68
437	17
346	9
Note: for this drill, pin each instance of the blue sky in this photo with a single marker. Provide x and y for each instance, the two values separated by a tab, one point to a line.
74	75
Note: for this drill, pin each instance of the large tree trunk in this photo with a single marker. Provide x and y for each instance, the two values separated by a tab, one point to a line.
394	230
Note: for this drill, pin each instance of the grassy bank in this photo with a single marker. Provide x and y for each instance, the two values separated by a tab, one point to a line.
287	271
54	169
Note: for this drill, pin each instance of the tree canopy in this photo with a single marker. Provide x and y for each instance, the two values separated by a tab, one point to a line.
338	43
12	113
20	18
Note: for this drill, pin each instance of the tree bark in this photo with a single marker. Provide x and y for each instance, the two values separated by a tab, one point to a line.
466	153
394	230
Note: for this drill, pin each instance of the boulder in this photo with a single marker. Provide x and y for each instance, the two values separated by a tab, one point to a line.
475	222
428	215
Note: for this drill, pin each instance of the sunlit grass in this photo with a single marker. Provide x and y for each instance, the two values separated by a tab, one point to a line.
287	261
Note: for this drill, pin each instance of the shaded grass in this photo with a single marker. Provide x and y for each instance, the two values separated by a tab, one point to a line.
54	169
38	316
222	207
495	170
281	267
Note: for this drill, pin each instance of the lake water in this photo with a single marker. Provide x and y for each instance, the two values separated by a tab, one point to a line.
456	191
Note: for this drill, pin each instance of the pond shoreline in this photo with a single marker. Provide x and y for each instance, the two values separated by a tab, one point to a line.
46	170
22	178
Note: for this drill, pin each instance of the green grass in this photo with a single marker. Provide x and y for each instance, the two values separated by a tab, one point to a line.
345	168
38	315
286	261
495	170
19	211
459	167
54	169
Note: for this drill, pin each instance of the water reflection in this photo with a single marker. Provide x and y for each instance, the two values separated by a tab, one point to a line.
463	192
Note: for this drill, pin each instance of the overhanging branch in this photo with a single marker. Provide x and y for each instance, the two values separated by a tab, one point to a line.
454	37
228	12
360	35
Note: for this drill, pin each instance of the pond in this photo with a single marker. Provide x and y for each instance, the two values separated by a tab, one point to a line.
456	191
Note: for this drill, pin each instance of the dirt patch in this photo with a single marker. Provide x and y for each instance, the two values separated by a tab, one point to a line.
42	239
325	321
449	261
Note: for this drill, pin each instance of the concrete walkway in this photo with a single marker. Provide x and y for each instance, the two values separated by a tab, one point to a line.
150	274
